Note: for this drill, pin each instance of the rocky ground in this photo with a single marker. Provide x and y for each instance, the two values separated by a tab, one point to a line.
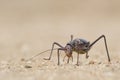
28	27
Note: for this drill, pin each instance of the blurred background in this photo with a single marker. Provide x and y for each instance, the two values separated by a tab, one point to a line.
28	27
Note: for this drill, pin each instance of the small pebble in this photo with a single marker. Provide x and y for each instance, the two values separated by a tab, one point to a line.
27	66
91	62
107	65
22	59
100	63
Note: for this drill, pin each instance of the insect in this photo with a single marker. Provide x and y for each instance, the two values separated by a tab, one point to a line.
80	46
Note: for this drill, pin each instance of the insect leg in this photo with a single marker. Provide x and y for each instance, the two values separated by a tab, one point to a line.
64	58
102	36
68	60
55	43
87	55
72	58
77	59
58	54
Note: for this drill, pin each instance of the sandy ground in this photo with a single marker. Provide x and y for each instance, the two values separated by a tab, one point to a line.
28	27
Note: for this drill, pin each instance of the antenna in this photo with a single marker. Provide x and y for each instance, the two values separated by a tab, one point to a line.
41	53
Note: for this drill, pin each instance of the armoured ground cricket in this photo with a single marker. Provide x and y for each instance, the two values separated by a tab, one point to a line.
80	46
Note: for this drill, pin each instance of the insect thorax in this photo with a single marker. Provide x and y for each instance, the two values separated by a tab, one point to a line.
79	45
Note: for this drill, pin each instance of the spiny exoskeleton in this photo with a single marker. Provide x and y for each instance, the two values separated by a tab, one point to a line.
80	46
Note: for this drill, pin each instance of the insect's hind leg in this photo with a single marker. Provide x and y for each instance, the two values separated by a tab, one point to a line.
102	36
55	43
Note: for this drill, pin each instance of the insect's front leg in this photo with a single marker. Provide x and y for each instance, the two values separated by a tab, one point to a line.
55	43
64	58
58	54
68	60
72	58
